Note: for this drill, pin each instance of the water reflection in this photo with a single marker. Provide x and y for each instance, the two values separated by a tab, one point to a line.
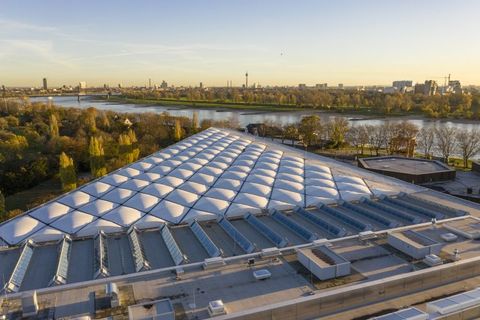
243	117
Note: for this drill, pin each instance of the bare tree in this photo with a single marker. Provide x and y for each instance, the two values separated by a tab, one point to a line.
425	141
358	136
446	141
377	137
468	144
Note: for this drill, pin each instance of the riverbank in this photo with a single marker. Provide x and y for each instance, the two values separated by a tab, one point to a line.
362	113
207	105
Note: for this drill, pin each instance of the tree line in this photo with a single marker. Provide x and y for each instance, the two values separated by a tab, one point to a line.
404	138
39	142
437	106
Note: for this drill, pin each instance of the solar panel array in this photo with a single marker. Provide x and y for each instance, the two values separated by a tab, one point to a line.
101	256
357	224
236	235
172	246
329	227
271	235
18	274
292	225
61	272
213	173
205	240
137	251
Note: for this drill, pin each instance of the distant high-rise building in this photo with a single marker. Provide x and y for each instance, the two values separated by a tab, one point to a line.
402	85
246	79
302	86
431	88
419	88
340	86
455	86
201	85
164	85
45	86
322	86
82	85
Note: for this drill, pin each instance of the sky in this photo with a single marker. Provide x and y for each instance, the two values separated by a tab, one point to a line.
213	41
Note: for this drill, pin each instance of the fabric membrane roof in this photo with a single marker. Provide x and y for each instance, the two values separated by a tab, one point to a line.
213	173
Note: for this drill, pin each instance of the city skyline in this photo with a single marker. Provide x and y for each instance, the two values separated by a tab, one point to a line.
186	43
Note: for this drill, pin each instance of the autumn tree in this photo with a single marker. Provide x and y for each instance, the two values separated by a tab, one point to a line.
53	126
97	158
177	131
310	130
338	130
128	150
68	176
195	124
290	132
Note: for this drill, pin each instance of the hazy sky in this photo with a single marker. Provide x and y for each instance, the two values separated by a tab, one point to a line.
278	42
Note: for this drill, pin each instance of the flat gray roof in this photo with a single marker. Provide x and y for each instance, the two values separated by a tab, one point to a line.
405	165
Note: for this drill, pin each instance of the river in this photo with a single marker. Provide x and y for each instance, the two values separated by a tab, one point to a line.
244	117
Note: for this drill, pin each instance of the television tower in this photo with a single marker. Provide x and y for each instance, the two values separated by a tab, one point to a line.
246	80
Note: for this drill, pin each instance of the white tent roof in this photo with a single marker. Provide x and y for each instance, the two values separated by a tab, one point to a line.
123	216
141	165
252	200
222	194
148	176
291	197
118	195
194	187
16	230
129	172
289	185
169	211
183	197
99	225
212	205
230	184
114	179
199	215
256	188
212	173
238	210
98	207
50	211
134	184
142	201
149	221
158	190
76	199
73	221
96	189
47	234
322	191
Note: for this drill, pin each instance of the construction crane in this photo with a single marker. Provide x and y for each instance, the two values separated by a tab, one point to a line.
445	78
